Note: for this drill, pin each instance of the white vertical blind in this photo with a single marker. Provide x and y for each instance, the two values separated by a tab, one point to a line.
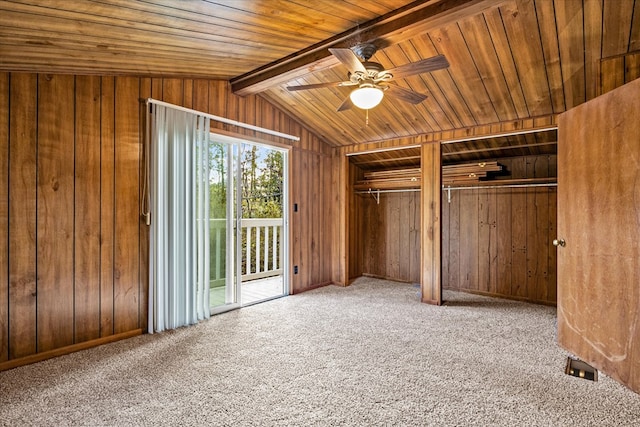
179	206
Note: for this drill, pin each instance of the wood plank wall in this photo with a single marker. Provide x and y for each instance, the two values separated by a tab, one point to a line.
389	243
73	262
498	241
618	70
70	178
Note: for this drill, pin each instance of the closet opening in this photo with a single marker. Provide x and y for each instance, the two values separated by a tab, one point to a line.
498	210
385	215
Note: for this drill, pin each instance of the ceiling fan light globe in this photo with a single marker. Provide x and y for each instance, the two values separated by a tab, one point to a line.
366	97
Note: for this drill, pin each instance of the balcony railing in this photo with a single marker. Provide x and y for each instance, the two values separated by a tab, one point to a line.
262	249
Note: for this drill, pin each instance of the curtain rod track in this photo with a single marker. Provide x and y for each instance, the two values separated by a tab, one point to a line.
224	120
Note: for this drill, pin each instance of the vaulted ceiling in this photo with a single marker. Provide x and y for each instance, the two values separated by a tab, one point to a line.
509	60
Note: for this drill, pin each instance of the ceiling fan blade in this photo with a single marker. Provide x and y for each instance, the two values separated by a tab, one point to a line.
346	105
348	58
405	94
315	86
424	66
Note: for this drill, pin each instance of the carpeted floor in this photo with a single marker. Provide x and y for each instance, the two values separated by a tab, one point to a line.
365	355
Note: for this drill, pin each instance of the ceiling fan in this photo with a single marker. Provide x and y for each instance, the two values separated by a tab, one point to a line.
370	78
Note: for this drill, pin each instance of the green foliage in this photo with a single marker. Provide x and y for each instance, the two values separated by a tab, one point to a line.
262	175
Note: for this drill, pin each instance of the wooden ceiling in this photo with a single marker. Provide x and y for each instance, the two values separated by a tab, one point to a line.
509	60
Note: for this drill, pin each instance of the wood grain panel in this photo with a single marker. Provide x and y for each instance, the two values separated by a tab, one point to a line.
305	209
467	79
483	51
631	66
611	74
519	232
431	165
404	243
388	243
616	27
486	205
469	238
569	21
107	204
173	91
619	70
126	296
87	204
593	46
22	214
4	216
55	236
519	23
414	239
143	254
393	236
453	268
538	234
548	28
503	235
316	217
598	268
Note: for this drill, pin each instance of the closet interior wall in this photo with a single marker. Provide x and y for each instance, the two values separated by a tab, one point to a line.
384	236
498	241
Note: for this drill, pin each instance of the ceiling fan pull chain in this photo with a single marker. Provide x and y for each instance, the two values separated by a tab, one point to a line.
366	120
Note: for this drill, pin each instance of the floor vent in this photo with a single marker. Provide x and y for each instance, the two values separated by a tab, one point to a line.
578	368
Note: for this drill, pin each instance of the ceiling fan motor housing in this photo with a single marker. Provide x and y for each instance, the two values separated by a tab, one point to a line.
373	69
365	50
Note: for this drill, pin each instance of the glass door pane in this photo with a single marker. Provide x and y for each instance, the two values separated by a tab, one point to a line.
262	237
223	289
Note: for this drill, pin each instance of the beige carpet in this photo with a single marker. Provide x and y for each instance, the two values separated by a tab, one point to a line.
365	355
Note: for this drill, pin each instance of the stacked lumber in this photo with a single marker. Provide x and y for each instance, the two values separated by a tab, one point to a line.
469	173
393	179
400	179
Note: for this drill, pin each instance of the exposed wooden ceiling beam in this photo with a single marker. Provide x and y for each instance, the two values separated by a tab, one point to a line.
401	24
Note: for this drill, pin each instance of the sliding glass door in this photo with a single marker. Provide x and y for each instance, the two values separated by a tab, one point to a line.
248	195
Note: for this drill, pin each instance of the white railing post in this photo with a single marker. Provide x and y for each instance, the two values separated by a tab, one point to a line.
274	248
247	255
258	249
266	248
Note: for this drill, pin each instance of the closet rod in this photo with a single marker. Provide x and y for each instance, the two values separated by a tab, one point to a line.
224	120
370	191
474	187
376	193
